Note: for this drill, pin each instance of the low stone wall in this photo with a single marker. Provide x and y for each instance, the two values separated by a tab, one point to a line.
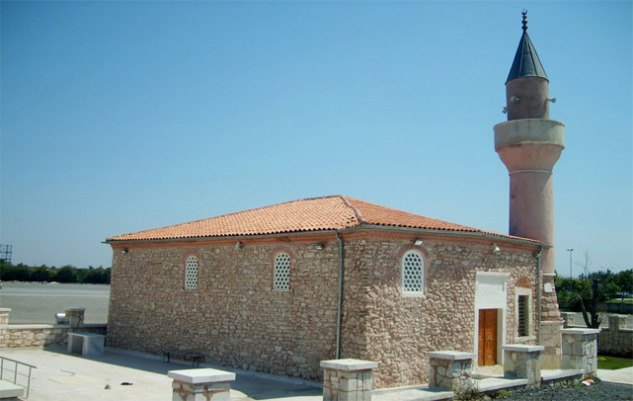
616	335
39	335
616	339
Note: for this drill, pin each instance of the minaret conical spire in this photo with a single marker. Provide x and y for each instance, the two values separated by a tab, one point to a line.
526	61
530	144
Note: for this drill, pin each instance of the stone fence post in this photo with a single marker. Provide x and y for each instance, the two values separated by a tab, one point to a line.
450	370
75	317
201	384
347	379
568	319
617	322
580	350
4	316
523	362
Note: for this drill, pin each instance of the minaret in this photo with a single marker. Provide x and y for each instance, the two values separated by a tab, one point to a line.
529	144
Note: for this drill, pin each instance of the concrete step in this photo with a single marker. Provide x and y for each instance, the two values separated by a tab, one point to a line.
10	391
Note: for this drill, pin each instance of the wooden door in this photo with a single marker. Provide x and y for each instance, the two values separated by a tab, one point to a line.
487	339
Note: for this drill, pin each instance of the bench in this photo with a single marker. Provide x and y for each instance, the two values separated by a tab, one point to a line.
194	357
85	343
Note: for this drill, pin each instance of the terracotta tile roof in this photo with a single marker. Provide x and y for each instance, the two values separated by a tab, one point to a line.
314	214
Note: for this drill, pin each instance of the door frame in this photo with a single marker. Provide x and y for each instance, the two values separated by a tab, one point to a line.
491	290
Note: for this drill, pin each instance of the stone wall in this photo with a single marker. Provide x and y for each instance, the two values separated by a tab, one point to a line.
399	331
616	339
616	332
38	335
236	319
234	316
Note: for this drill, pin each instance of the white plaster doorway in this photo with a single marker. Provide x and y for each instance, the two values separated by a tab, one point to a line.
490	314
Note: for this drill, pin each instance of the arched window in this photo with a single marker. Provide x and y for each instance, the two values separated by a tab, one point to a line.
281	280
191	273
412	273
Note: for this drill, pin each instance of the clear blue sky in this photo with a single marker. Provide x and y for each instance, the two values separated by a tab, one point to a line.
124	116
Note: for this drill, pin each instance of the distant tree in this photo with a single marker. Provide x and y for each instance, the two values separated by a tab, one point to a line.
624	280
586	263
596	287
97	276
67	274
9	272
41	274
584	293
82	274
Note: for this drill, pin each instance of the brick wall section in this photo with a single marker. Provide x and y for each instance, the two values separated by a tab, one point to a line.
236	319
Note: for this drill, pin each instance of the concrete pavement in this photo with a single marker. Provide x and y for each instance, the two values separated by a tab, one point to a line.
61	376
624	375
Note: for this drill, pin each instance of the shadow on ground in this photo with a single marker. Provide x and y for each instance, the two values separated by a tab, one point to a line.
254	385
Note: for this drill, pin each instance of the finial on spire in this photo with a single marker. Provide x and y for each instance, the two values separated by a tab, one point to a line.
524	14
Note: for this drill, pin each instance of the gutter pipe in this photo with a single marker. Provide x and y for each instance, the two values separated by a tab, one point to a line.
539	292
339	315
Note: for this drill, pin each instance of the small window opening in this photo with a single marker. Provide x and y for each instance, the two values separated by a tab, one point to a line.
191	273
282	272
524	315
412	273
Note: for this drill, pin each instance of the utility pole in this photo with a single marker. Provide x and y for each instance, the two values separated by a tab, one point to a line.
571	275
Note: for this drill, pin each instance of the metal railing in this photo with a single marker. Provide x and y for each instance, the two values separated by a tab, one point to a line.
20	370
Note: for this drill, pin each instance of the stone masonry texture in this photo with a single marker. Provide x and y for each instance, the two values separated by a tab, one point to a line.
236	319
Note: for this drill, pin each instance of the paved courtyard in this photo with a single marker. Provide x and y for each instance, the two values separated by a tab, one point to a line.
120	375
61	377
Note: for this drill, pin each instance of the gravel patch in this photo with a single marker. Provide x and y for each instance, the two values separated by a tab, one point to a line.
603	391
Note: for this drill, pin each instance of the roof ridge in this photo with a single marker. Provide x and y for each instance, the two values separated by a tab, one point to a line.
357	212
256	208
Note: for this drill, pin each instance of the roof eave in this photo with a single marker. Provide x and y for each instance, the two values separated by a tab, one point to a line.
462	233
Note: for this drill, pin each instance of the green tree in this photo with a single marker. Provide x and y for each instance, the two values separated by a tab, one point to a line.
624	280
41	274
67	274
9	272
595	287
97	276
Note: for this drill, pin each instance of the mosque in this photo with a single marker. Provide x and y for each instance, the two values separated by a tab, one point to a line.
280	288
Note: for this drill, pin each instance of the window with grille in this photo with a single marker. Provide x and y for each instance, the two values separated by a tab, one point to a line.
191	273
282	272
524	315
412	273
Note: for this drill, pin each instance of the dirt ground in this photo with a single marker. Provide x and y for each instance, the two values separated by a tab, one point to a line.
33	303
